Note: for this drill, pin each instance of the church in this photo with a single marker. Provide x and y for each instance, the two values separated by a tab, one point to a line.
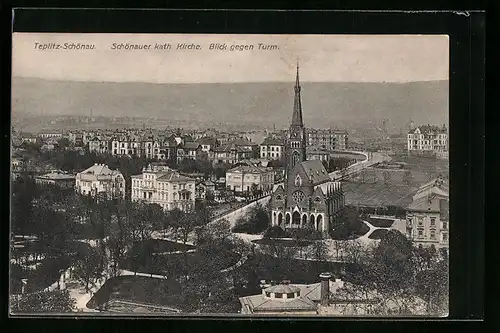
308	198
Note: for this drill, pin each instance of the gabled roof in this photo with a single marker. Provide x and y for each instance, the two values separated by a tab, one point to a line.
272	142
243	142
207	141
191	145
428	129
174	177
315	171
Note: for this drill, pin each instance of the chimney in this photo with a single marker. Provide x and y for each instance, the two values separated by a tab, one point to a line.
325	288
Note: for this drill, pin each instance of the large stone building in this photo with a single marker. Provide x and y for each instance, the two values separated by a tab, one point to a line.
428	140
99	179
164	186
330	139
308	197
246	176
427	218
272	149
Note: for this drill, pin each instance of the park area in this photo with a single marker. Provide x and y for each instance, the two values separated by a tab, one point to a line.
171	259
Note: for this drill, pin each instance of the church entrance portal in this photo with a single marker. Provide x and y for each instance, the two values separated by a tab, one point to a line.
296	219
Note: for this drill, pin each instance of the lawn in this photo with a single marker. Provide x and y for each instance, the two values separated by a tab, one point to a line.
178	264
285	242
162	246
378	234
339	234
380	222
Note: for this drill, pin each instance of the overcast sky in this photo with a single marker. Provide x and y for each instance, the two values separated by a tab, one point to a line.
323	58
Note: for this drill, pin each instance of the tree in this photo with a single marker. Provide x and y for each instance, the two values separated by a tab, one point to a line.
256	220
319	250
43	302
89	267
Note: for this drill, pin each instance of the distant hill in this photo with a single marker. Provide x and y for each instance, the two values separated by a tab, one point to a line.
252	104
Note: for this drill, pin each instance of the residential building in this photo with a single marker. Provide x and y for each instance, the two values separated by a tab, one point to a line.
207	143
28	138
203	187
44	135
191	150
308	197
246	177
272	148
56	178
100	145
317	153
164	186
427	217
329	139
428	140
99	178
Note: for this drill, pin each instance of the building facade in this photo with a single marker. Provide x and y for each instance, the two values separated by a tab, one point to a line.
99	179
427	217
246	177
308	197
59	179
428	140
164	186
272	149
329	139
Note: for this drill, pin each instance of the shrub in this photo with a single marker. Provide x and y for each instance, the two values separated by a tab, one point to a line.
276	232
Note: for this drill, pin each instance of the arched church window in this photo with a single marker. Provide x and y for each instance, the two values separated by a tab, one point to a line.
317	199
298	181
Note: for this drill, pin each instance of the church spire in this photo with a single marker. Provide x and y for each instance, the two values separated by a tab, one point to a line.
297	104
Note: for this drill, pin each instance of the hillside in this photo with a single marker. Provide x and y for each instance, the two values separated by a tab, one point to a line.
253	104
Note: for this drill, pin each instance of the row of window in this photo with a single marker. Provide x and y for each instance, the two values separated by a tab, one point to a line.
271	148
432	235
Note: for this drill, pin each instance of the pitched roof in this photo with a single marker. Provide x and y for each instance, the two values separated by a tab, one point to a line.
207	140
173	176
191	145
428	129
315	171
243	142
272	142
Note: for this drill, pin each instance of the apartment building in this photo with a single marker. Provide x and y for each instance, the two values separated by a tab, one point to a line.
272	149
164	186
244	177
427	217
329	139
428	140
99	178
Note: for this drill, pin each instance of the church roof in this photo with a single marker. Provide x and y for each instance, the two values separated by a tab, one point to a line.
315	172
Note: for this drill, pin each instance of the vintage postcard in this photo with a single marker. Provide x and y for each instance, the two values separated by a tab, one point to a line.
238	175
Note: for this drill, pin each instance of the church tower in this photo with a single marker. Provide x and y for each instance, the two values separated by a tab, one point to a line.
296	143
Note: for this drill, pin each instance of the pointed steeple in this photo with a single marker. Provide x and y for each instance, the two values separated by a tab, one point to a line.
297	104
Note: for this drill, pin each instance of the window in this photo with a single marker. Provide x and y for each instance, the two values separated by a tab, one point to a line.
278	295
290	295
433	221
433	234
420	221
445	225
420	233
268	294
445	237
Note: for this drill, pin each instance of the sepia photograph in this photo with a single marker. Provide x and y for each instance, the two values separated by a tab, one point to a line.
229	174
